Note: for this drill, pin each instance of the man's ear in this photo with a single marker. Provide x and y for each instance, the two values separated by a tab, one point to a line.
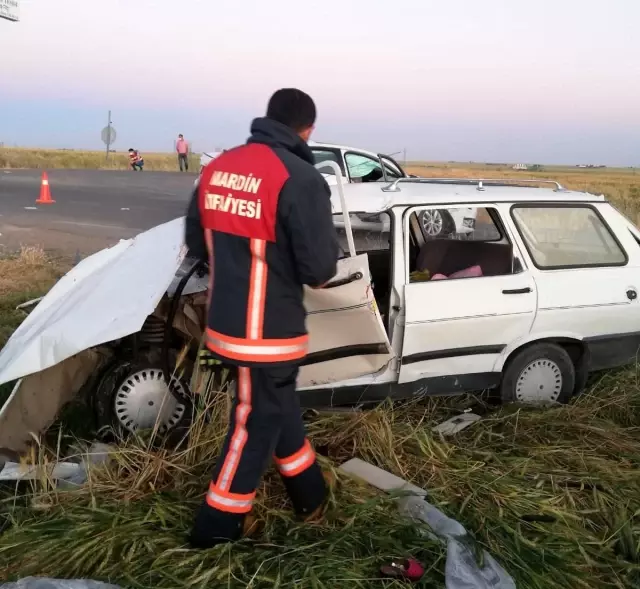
305	134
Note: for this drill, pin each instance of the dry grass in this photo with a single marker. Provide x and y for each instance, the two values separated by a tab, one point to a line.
26	275
553	494
620	185
93	160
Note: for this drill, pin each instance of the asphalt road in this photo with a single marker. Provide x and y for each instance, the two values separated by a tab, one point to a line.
93	208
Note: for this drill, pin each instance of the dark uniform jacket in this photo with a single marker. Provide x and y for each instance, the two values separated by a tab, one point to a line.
261	215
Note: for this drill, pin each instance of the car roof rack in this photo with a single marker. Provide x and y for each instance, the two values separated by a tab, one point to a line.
480	182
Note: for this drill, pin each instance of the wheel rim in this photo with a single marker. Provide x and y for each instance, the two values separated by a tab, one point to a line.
432	222
540	381
144	400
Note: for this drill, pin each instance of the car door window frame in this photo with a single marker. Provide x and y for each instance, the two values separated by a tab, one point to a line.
551	205
390	163
363	155
336	152
494	212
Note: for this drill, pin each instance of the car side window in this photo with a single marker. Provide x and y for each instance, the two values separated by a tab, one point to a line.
363	168
567	236
459	242
326	155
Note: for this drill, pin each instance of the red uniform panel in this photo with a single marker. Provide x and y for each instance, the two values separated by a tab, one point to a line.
239	192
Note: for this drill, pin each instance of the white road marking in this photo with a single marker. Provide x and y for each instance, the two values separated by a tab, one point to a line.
125	209
102	226
30	208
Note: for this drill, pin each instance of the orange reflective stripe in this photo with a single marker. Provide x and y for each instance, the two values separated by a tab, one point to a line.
235	496
240	435
257	289
263	350
208	238
296	463
229	502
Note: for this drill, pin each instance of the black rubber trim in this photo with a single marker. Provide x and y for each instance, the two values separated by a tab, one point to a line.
168	327
441	385
349	279
344	352
453	353
510	291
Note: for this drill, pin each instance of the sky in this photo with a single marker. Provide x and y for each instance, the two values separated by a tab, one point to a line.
465	80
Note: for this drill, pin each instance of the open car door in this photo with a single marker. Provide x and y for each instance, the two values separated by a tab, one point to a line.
347	338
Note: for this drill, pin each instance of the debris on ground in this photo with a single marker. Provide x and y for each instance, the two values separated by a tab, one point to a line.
64	472
462	571
43	583
456	424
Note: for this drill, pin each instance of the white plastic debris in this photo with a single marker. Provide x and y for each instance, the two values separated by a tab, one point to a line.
28	304
456	424
67	472
461	570
44	583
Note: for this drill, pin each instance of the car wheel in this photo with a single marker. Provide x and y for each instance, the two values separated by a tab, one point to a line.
540	374
132	397
436	223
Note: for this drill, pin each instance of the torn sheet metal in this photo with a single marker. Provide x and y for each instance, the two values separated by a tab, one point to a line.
105	297
462	571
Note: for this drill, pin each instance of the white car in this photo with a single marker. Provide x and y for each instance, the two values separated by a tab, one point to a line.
544	291
206	157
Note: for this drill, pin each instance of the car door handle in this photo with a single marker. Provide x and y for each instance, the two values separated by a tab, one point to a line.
517	290
349	279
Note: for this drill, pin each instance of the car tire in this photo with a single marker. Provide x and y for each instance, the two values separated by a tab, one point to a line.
436	223
107	404
540	374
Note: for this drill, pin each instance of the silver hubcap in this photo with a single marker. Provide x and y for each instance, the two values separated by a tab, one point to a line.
539	382
144	401
432	222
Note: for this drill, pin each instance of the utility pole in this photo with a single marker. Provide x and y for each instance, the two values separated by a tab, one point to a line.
108	134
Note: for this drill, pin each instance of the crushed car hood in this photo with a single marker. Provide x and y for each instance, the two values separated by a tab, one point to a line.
105	297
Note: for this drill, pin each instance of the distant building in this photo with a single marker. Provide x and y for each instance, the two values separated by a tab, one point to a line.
521	167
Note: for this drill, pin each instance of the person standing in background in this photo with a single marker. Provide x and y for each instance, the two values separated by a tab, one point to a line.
182	147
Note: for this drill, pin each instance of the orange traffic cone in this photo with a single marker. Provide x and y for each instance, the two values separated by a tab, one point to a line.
45	192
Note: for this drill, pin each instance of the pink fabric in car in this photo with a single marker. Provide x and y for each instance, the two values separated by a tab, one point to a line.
472	272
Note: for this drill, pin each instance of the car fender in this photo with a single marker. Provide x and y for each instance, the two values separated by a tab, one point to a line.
106	297
531	338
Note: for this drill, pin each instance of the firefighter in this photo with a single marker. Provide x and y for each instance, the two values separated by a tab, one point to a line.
261	216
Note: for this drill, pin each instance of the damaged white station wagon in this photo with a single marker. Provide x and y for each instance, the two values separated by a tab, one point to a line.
542	290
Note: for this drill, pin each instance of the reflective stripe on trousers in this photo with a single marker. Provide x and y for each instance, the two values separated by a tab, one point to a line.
297	463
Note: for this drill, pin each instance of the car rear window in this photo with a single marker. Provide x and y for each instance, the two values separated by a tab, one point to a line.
567	236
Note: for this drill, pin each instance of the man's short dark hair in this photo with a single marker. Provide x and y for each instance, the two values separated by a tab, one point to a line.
293	108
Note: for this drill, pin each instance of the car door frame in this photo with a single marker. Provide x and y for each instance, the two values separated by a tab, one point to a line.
466	366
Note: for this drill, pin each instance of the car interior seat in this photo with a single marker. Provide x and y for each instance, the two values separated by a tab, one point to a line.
446	256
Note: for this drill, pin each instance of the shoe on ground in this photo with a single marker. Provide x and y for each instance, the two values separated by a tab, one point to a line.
317	515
